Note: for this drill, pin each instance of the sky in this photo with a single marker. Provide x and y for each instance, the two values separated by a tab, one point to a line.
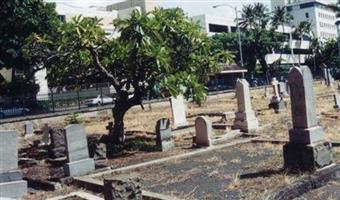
191	7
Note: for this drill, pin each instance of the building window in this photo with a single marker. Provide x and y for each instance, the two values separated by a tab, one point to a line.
307	15
218	28
62	18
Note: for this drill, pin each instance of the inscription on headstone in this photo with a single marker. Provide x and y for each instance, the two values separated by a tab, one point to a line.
78	159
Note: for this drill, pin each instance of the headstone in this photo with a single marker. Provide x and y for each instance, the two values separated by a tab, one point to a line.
78	159
266	92
46	130
336	101
276	102
203	128
307	148
287	88
29	129
122	189
11	183
164	140
178	109
57	147
245	117
328	76
282	89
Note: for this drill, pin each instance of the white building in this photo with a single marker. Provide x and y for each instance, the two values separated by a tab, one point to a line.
108	13
317	12
214	25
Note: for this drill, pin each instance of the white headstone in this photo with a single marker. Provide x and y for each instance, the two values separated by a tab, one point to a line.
79	162
203	131
178	109
245	117
11	183
29	129
275	85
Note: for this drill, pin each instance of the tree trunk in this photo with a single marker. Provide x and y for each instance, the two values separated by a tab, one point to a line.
265	67
117	134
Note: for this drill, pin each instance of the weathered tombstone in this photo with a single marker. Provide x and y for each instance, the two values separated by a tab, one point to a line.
29	129
78	159
328	76
276	101
122	189
307	148
266	92
46	134
203	128
336	101
11	183
57	147
245	117
178	109
282	89
164	140
287	88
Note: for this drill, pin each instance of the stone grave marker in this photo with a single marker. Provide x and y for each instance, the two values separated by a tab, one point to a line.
276	101
307	148
57	147
29	131
178	109
78	159
46	134
245	117
203	129
336	101
164	140
282	89
11	183
123	189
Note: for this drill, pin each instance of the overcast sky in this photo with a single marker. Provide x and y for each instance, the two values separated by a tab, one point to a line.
192	7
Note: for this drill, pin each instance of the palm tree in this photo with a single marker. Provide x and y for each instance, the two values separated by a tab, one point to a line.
248	17
280	18
304	28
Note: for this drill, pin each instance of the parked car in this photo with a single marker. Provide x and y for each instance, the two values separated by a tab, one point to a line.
99	101
8	112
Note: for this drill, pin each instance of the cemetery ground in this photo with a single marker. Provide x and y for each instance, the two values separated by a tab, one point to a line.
240	171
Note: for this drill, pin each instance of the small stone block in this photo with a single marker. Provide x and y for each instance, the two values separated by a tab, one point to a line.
307	157
122	189
79	168
14	189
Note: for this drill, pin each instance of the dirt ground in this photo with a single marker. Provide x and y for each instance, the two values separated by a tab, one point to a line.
144	121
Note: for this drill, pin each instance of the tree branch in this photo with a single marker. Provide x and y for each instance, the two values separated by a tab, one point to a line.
98	65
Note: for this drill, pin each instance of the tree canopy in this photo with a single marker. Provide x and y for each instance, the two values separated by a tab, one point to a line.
19	20
161	50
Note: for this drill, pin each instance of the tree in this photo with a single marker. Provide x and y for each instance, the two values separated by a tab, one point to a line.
161	50
280	18
19	20
304	29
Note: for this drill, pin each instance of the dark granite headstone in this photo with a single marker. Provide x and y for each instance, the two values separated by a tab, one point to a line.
122	189
164	140
57	147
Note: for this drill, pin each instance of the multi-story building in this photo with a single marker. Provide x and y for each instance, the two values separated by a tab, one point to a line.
318	12
108	13
213	25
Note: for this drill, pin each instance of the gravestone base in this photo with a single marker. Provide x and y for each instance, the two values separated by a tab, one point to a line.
307	157
127	188
277	104
13	189
307	136
79	168
166	145
246	122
